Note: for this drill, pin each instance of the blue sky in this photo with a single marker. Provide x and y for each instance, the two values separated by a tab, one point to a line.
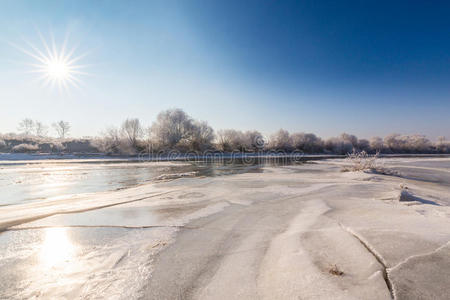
363	67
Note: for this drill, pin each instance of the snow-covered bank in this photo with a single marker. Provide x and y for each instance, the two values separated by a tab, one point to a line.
302	231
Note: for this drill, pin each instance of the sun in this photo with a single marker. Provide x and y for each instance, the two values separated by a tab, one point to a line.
58	70
57	66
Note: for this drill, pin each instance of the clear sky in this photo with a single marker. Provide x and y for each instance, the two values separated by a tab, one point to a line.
362	67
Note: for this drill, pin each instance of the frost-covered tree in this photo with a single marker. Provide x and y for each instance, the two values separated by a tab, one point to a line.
26	126
442	145
131	130
148	139
236	140
307	142
350	138
376	144
223	140
281	140
363	145
230	140
253	141
171	127
393	142
109	141
40	129
174	128
339	145
202	136
62	128
416	143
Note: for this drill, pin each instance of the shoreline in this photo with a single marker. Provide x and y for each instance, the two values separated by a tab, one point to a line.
11	158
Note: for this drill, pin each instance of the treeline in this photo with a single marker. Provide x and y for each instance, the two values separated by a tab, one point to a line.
175	130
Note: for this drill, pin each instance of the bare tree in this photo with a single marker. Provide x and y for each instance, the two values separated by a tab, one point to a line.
40	129
62	128
132	130
26	126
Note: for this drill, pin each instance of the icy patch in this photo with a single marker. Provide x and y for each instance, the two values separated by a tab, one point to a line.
176	176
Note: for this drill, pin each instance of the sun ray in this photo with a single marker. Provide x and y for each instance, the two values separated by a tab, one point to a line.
44	42
74	60
53	45
79	72
70	54
28	53
64	45
36	49
76	83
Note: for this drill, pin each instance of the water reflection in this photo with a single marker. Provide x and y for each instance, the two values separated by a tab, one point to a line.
34	182
57	248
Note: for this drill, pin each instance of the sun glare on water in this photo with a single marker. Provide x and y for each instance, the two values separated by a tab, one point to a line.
57	66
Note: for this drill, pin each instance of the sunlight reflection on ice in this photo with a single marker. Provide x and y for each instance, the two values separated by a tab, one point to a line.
57	248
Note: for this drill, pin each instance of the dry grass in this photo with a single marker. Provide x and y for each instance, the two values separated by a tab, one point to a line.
334	270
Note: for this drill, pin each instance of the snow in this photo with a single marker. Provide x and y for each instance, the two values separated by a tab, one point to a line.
275	234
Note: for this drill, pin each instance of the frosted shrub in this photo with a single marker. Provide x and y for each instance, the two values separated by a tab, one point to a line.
360	161
2	144
57	147
23	148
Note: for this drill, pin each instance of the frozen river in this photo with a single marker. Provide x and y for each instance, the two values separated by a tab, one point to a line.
111	230
29	181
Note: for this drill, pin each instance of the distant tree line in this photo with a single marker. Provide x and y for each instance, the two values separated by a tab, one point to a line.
29	127
175	130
